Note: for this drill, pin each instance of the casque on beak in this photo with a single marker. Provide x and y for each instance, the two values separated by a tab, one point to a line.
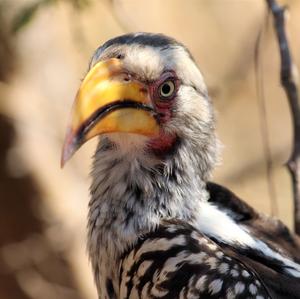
107	101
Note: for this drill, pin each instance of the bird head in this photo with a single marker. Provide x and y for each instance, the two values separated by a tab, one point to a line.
146	89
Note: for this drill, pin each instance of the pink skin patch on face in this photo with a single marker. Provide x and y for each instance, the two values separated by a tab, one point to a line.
163	144
163	107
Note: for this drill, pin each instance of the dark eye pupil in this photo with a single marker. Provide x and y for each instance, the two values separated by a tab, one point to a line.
166	89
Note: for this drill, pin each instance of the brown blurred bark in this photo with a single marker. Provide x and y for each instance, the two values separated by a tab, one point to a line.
289	84
30	266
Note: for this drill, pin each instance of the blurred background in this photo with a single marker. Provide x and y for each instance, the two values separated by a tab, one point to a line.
45	46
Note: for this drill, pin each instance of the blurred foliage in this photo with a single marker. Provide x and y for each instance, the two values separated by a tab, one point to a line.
7	49
27	13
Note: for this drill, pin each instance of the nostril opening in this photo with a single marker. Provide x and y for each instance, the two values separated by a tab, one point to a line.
125	77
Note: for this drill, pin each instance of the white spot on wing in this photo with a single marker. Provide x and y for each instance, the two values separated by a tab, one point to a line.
245	273
223	268
239	288
252	289
212	262
230	294
215	286
234	273
201	283
212	246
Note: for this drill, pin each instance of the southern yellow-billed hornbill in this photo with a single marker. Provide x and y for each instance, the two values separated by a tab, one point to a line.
157	227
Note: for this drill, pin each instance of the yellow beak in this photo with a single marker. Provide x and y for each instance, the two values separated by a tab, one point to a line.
109	101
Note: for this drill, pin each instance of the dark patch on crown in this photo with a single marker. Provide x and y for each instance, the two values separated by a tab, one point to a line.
156	40
144	39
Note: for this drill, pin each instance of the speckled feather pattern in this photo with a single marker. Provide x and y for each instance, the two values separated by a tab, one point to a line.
131	198
176	261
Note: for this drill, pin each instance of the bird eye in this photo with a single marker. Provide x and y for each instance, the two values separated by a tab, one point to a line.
167	89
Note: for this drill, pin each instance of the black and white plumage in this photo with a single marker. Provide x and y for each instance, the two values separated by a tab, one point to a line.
156	227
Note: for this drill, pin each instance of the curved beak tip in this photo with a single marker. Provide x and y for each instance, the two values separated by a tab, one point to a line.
64	158
69	148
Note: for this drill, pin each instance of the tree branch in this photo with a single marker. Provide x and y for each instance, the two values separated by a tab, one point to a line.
290	86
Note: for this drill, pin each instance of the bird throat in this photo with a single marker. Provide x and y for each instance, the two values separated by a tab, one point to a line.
133	190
